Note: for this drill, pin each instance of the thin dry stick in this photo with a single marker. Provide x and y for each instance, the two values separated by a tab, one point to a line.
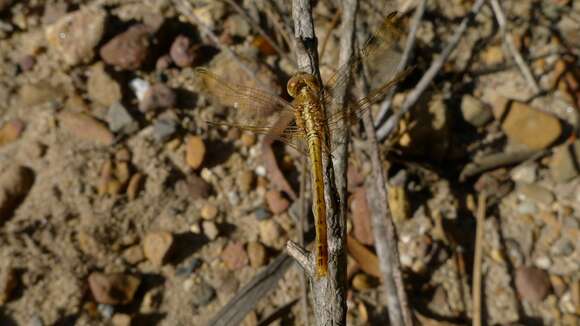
387	128
277	19
261	31
184	7
409	45
509	42
478	260
384	233
329	293
301	227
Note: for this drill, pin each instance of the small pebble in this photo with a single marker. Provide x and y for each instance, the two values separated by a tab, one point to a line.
163	63
271	233
26	63
11	131
182	51
209	211
257	254
106	310
134	255
113	289
139	87
101	87
248	139
276	202
157	247
75	35
234	256
85	127
120	120
262	213
128	50
135	186
361	217
246	180
164	129
15	183
189	267
194	187
210	229
202	294
535	193
157	97
533	284
194	152
121	320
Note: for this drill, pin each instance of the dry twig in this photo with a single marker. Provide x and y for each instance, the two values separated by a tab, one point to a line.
329	293
511	47
476	297
413	97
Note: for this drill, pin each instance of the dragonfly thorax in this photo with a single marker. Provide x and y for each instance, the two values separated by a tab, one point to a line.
302	82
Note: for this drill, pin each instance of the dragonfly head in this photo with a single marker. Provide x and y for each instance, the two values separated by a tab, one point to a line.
301	82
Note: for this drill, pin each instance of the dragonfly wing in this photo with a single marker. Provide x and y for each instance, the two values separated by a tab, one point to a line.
252	107
380	54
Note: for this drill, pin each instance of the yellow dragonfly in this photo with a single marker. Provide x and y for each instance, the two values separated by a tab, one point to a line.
304	119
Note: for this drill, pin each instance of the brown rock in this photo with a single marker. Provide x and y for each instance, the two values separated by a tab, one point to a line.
182	51
85	127
122	172
15	183
158	96
210	229
33	95
8	282
194	187
121	320
271	233
194	152
361	217
74	36
234	256
135	185
248	139
209	211
533	284
246	180
276	202
257	254
525	125
113	288
11	131
102	88
128	50
134	255
157	246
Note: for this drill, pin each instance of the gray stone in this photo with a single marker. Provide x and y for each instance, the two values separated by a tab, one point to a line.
474	111
203	293
120	120
163	129
262	213
535	193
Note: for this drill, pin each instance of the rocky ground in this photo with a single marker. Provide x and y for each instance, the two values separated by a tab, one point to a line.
120	205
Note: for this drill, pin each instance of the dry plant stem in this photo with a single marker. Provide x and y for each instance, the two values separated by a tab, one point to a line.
477	261
184	7
277	19
413	97
510	44
407	52
384	234
303	219
328	293
261	31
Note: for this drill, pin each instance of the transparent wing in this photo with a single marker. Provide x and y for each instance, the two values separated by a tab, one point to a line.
380	54
252	109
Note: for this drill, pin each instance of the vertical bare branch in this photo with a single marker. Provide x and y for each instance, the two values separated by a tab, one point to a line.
329	293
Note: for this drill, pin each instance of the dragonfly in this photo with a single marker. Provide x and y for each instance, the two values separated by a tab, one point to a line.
303	122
